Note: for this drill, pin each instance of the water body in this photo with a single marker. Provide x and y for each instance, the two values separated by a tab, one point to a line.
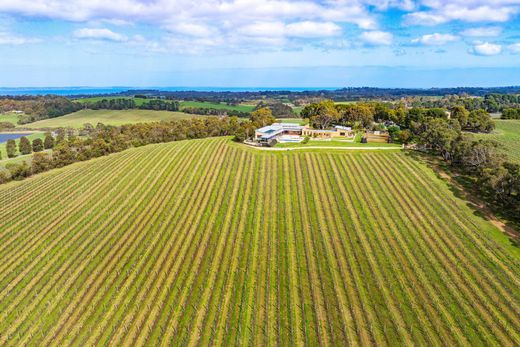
11	136
109	90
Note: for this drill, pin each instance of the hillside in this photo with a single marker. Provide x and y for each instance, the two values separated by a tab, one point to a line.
107	117
205	241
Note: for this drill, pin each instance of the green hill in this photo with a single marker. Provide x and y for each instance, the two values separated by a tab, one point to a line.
107	117
207	242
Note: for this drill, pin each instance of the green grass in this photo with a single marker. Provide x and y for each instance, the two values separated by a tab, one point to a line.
108	117
201	242
292	120
9	117
507	133
220	106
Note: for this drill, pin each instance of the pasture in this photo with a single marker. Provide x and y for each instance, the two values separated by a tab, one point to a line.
107	117
9	117
217	105
205	243
507	133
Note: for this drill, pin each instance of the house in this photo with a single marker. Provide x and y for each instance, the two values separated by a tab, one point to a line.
292	132
282	132
337	132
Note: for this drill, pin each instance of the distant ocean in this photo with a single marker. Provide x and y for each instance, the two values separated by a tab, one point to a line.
111	90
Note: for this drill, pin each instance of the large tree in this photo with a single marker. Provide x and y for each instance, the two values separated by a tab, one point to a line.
11	148
262	117
321	115
48	143
25	146
37	145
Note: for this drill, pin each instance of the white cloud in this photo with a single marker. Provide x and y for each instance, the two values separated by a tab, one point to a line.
191	29
11	39
442	11
435	39
99	34
377	38
309	29
486	49
514	48
482	32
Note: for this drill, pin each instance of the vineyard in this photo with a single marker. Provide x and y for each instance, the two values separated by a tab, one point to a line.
204	242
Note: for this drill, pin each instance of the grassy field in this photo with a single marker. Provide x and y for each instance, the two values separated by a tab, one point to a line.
220	106
292	120
202	242
9	117
107	117
507	133
138	101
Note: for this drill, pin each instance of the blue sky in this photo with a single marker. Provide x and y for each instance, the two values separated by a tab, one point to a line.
253	43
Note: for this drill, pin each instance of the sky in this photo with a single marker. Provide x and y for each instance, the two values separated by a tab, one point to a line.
259	43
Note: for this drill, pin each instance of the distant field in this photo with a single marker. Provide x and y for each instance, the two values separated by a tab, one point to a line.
203	243
9	117
220	106
292	120
108	117
507	133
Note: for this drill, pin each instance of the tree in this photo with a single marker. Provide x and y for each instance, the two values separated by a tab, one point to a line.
37	145
405	136
18	171
321	115
262	117
480	121
352	113
511	113
461	114
439	134
41	162
11	148
48	143
25	146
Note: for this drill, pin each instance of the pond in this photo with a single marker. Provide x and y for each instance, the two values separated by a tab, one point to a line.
8	136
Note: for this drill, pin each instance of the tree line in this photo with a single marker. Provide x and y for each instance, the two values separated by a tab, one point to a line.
128	103
38	107
68	148
208	111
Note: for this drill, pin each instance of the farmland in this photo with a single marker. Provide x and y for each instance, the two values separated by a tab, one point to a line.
507	133
107	117
218	106
147	246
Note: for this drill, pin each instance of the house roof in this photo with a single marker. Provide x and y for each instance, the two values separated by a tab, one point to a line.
277	128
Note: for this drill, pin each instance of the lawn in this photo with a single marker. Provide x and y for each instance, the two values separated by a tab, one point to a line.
507	133
108	117
300	121
200	242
